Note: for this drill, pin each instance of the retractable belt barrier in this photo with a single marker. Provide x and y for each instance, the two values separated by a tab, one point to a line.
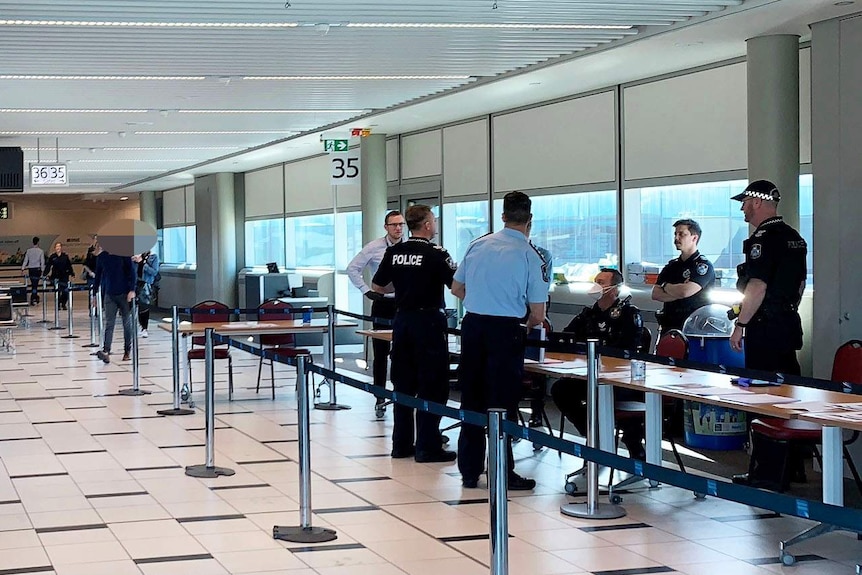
252	311
842	517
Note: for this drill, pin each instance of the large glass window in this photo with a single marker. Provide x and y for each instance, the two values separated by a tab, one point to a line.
651	212
579	229
462	223
264	242
348	237
179	245
310	241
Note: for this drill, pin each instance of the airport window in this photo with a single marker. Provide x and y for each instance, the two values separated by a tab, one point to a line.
651	212
579	229
348	237
310	241
264	242
179	245
462	223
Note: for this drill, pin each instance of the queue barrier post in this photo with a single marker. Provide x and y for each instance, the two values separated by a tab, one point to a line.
94	319
69	307
498	490
208	469
304	532
175	360
44	302
56	325
592	509
332	404
136	370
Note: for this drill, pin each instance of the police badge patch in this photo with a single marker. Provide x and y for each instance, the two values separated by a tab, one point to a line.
701	269
755	251
545	276
686	274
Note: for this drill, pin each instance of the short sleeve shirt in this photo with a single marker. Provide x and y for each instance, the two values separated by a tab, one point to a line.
418	270
503	273
776	254
696	269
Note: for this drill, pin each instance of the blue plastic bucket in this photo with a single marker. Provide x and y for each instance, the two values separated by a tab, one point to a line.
710	426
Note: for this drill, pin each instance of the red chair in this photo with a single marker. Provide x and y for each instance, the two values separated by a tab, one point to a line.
283	343
672	344
779	445
211	312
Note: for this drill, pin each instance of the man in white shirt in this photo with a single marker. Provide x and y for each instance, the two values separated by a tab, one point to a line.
34	263
383	306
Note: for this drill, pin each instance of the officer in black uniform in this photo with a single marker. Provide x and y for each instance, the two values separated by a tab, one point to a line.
615	323
684	283
418	270
772	280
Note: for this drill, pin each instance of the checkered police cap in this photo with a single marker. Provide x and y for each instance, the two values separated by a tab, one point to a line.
761	190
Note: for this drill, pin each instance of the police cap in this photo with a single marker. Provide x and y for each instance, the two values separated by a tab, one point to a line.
761	190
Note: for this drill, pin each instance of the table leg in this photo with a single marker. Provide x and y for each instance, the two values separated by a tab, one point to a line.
606	418
833	465
653	428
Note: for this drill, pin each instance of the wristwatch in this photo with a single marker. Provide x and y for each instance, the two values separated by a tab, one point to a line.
662	287
740	324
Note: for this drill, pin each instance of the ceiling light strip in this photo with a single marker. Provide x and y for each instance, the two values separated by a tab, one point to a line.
137	24
85	77
270	111
165	148
357	78
67	111
51	133
204	132
487	25
379	25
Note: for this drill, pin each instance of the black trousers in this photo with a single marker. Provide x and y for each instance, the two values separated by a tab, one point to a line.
381	309
570	396
490	375
771	346
420	366
35	275
62	292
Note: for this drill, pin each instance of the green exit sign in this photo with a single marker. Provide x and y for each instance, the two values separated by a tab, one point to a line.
4	211
334	145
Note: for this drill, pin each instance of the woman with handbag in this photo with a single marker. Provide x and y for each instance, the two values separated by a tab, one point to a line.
148	269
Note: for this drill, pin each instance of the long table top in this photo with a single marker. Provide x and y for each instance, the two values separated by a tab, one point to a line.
256	327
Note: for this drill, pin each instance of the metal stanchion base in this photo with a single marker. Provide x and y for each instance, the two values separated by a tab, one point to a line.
602	511
177	411
73	336
331	406
134	392
43	321
303	534
55	328
205	472
91	345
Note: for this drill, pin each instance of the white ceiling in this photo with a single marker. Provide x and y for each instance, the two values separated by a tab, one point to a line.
477	68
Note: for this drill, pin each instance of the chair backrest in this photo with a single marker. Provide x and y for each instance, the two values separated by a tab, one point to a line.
549	327
672	344
208	312
847	365
646	340
285	339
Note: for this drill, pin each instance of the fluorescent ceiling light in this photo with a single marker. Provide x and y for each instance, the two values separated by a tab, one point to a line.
124	198
270	111
488	25
51	149
135	160
134	24
205	132
162	148
448	25
66	111
405	77
103	170
84	77
96	184
54	133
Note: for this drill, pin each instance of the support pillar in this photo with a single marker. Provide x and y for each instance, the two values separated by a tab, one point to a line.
373	195
773	117
215	223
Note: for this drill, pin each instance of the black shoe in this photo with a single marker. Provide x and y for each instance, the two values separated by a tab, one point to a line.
444	438
470	483
403	453
518	483
126	357
441	456
741	479
798	476
104	356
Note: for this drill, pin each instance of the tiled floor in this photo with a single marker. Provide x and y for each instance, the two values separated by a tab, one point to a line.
92	483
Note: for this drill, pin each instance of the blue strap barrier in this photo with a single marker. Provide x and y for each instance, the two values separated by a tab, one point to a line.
252	311
840	517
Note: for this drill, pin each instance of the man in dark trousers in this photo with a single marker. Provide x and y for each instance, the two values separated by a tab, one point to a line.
684	283
115	276
34	263
383	306
502	274
417	270
616	323
59	269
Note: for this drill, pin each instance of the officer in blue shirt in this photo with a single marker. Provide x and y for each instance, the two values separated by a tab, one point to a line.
500	276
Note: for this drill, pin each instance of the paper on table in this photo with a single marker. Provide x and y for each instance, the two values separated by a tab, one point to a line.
699	389
849	406
810	406
760	399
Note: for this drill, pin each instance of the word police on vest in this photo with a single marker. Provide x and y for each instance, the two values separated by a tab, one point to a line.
407	260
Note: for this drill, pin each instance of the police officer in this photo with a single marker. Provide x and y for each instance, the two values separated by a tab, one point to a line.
616	323
60	269
772	280
417	270
684	283
383	306
500	275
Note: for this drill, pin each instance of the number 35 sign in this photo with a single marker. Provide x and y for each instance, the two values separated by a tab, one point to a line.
344	168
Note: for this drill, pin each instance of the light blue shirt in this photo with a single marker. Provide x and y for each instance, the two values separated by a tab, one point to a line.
502	272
